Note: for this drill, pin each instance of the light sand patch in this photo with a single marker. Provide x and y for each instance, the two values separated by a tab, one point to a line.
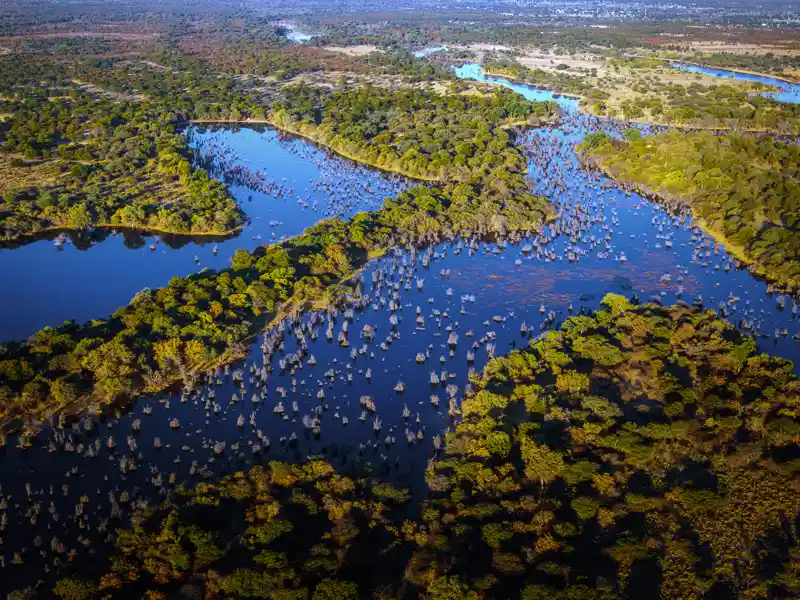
360	50
93	89
154	65
756	49
548	61
332	80
487	48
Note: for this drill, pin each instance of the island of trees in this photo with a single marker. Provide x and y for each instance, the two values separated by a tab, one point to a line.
74	159
454	137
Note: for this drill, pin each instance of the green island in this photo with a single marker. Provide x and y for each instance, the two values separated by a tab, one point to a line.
74	159
549	80
744	191
420	134
640	451
175	333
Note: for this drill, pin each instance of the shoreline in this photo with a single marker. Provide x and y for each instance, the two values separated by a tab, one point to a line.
741	71
296	130
537	86
735	251
121	228
229	356
731	70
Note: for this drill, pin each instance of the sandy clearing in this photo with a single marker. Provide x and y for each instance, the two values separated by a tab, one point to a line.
547	61
486	48
93	89
361	50
331	80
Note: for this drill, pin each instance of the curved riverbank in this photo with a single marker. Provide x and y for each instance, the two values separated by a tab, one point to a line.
549	88
626	162
34	235
252	161
314	134
732	248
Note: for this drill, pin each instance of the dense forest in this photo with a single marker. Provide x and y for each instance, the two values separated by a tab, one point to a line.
75	156
79	161
640	452
284	532
457	137
744	190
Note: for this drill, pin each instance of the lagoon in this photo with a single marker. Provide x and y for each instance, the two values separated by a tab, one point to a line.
94	273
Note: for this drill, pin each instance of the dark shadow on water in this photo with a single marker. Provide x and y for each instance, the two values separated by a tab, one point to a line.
133	239
645	579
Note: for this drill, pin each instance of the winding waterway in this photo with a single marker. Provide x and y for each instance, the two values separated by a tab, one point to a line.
789	92
475	72
94	273
442	310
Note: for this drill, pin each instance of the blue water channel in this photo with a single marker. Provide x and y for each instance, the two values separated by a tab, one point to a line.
789	92
475	72
94	273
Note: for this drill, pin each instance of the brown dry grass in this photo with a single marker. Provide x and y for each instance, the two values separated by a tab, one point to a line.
548	61
32	174
735	48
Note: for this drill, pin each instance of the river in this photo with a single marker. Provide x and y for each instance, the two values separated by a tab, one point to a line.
606	240
789	92
430	50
